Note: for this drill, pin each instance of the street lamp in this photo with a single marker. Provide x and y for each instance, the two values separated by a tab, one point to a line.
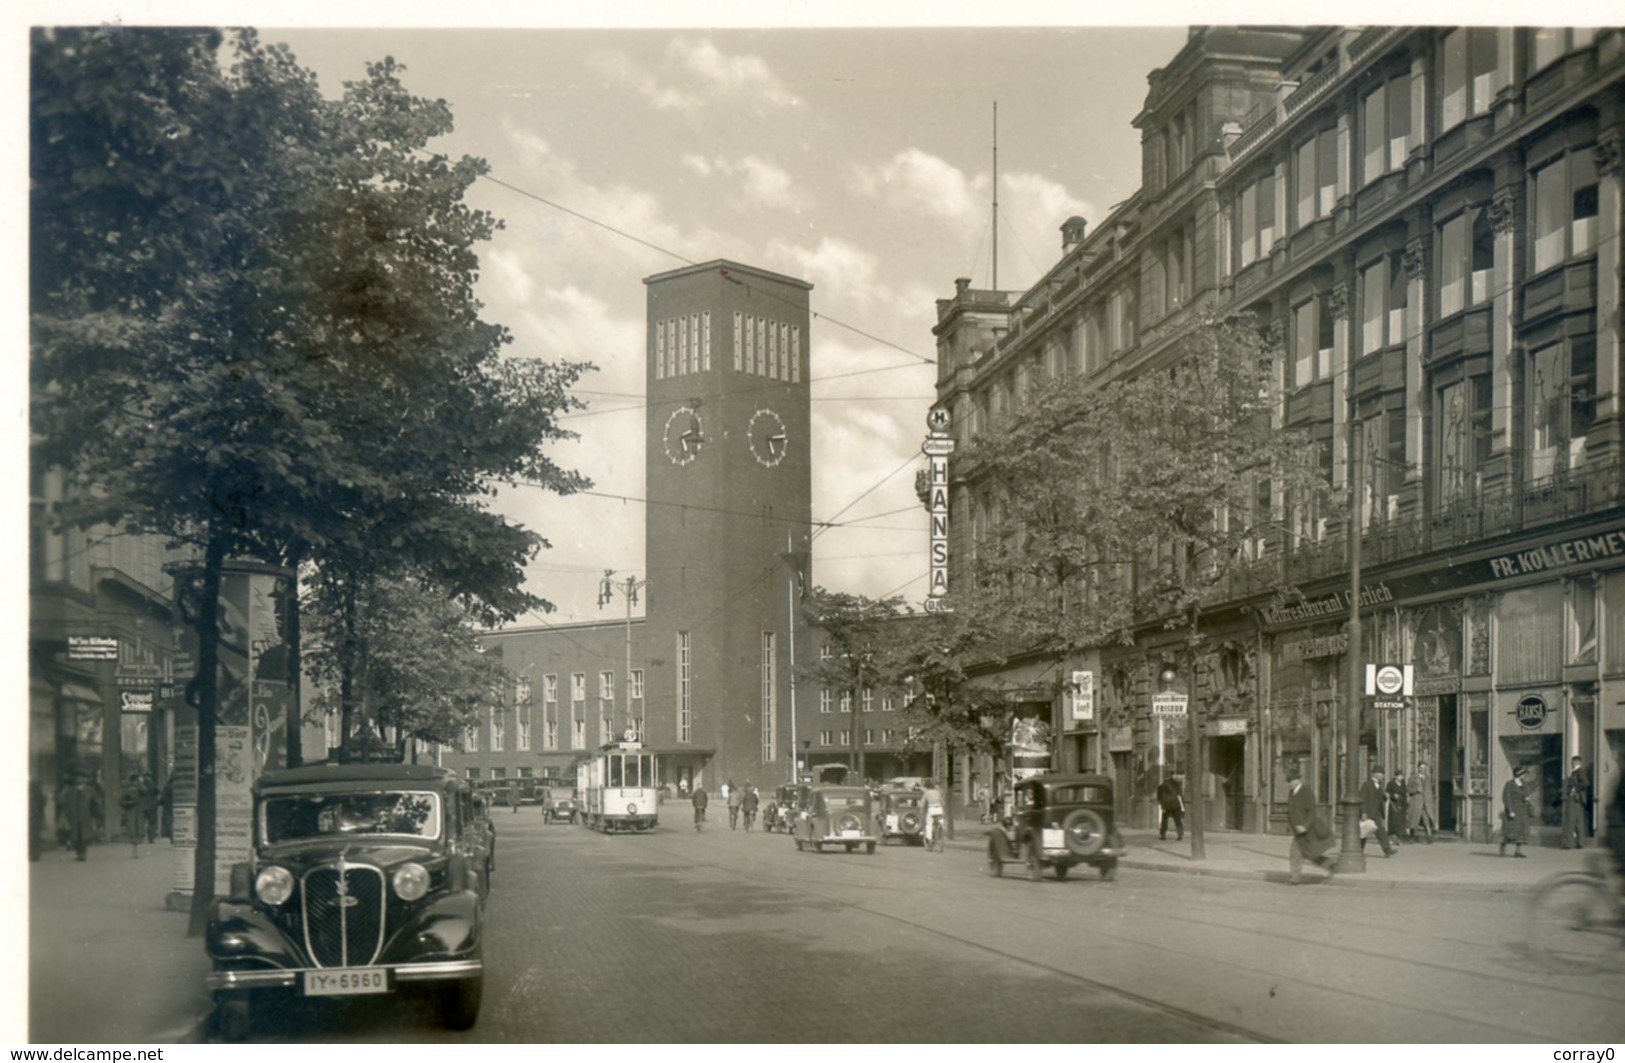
1351	858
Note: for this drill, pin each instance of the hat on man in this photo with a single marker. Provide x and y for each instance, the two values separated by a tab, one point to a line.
1520	771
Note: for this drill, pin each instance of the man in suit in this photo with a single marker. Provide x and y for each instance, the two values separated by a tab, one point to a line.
1171	796
1311	837
1374	806
1576	795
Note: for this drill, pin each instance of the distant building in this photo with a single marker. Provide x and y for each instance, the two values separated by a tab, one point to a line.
1432	217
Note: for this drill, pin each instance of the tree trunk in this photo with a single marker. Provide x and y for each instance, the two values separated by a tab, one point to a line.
347	674
296	715
206	704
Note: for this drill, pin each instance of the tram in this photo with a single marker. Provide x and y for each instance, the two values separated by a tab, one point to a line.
618	787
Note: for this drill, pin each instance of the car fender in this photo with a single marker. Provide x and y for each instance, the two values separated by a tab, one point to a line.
239	930
446	927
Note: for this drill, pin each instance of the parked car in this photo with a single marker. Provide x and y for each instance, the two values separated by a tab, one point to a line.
362	879
559	808
836	815
1058	821
901	815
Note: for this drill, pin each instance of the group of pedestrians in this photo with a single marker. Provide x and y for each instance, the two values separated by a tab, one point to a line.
741	801
81	808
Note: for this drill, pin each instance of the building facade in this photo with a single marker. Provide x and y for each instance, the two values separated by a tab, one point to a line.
1430	218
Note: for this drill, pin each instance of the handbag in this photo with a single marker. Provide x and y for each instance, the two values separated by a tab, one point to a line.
1368	827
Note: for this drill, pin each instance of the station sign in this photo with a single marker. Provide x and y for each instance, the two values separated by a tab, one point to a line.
1389	680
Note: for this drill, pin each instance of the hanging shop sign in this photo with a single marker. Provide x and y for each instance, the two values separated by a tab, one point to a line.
1168	704
938	445
1227	725
1531	712
1081	697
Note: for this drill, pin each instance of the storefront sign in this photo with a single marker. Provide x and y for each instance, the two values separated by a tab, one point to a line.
135	700
1228	725
1334	604
1320	646
1562	554
1120	740
1435	685
1531	712
92	648
1082	697
1168	705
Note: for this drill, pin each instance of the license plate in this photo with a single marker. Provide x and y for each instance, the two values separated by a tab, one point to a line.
342	981
1054	839
851	834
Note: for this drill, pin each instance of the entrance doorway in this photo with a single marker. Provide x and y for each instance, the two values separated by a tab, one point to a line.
1229	766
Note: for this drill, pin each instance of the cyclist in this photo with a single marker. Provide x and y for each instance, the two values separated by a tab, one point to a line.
931	799
700	801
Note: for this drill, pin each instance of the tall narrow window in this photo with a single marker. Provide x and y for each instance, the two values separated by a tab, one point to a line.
1561	404
770	697
1326	168
705	341
660	350
685	704
1374	137
739	341
1308	186
1399	120
1248	212
1565	208
1303	343
1471	74
1325	336
1398	298
1266	214
1373	308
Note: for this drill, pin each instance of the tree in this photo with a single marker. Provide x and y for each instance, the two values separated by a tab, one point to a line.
422	674
253	328
1133	505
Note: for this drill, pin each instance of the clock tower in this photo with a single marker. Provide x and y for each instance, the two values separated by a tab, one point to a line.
729	489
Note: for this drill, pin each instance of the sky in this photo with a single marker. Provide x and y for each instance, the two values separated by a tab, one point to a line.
859	160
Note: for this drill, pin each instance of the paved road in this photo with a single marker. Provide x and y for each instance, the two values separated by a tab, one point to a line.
730	937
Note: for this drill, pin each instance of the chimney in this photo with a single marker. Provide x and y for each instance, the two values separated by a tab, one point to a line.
1072	233
961	286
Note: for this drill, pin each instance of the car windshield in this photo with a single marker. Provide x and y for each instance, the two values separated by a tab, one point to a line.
294	817
1079	795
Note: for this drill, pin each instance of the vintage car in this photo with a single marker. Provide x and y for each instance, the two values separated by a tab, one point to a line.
835	815
1058	821
901	814
558	808
363	879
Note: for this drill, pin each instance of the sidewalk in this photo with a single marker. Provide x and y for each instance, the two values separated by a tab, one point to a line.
1451	865
107	963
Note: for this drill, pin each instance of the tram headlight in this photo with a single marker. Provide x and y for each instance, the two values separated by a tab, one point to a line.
411	881
631	808
273	885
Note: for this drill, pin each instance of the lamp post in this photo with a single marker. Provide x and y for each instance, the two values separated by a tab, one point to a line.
606	594
1351	859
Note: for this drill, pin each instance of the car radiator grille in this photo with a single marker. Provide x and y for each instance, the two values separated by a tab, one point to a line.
344	914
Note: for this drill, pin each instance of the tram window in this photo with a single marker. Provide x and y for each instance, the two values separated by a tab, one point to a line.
614	770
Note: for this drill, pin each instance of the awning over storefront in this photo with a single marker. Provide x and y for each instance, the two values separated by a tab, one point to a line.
80	692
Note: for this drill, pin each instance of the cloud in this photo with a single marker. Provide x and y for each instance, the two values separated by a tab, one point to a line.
762	181
1034	206
731	75
921	183
694	72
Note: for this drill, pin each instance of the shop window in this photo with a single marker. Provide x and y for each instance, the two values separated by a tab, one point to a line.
1582	634
1466	261
1463	416
1561	404
1613	612
1529	646
1476	757
1564	193
1471	76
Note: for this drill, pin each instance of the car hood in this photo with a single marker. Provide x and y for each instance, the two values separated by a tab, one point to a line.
303	855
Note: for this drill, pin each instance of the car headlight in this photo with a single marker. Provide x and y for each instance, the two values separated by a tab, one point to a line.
273	885
411	881
631	808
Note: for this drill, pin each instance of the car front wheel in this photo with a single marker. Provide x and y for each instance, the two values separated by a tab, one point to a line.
460	1003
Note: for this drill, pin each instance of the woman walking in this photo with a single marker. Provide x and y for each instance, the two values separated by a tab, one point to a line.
1398	801
1419	804
1517	810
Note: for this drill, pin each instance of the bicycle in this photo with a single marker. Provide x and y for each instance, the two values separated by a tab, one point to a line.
1576	919
933	838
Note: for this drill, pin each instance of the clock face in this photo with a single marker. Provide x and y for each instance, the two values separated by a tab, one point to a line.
768	439
684	435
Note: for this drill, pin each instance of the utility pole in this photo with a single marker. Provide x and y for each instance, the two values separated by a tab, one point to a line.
607	589
1351	858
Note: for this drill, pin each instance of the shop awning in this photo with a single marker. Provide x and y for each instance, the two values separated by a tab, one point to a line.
80	692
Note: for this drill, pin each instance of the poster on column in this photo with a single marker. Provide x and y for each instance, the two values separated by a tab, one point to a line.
234	801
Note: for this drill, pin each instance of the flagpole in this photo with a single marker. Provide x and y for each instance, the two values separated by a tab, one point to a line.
789	547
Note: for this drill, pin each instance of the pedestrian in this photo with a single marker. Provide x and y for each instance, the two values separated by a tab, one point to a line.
734	798
1419	803
1576	796
513	796
1517	812
748	804
1374	812
1311	837
166	809
1398	803
1171	796
36	816
983	803
76	809
130	813
700	801
149	807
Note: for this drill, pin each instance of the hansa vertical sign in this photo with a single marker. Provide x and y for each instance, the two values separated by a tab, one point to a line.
938	445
